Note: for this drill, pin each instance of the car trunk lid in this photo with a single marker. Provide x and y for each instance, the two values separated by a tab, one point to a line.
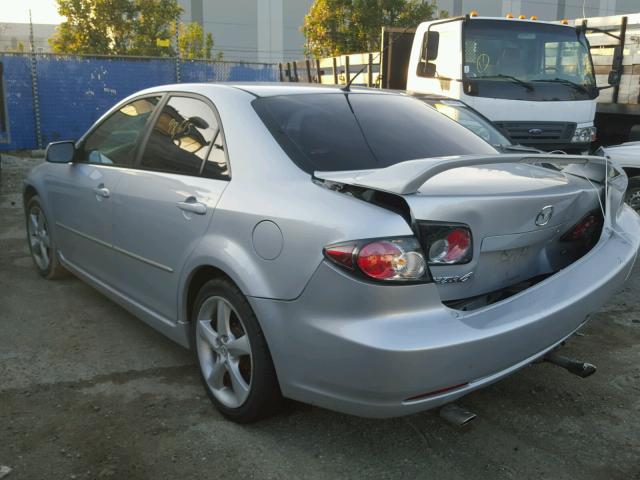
517	211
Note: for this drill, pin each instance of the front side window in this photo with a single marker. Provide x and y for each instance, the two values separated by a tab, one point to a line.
182	137
115	140
527	61
354	131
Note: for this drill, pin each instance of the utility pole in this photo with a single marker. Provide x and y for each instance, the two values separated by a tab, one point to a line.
178	49
34	85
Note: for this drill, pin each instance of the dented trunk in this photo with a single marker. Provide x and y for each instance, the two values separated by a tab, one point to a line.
527	221
518	215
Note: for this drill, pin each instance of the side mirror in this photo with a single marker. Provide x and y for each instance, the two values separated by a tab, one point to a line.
431	48
634	133
427	69
614	77
60	152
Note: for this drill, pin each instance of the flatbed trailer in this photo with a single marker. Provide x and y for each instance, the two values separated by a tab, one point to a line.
615	49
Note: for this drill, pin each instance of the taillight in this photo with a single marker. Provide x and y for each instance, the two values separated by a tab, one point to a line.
585	229
388	259
447	244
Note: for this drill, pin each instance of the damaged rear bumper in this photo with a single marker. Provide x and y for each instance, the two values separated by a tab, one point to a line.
367	349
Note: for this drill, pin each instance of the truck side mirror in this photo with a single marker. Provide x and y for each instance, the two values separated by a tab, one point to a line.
614	77
431	48
427	69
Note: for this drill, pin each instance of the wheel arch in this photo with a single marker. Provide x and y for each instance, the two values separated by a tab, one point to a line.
194	282
28	193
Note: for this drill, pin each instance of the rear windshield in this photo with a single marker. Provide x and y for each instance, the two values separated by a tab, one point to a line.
355	131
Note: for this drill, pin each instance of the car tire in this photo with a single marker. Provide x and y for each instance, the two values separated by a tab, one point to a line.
632	195
41	242
234	361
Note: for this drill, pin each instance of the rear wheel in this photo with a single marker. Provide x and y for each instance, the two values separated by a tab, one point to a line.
41	244
235	364
632	195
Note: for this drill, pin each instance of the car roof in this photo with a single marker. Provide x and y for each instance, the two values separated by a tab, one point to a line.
265	89
269	89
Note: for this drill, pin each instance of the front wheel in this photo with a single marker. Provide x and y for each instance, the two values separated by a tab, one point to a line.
632	195
235	364
41	245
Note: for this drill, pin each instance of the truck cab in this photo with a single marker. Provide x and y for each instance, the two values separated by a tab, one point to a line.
535	80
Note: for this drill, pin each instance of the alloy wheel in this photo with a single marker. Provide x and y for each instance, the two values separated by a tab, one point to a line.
39	239
224	351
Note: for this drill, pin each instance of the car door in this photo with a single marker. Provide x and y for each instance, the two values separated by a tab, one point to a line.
81	192
163	208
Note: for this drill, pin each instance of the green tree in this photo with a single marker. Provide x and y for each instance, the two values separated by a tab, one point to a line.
193	43
115	27
336	27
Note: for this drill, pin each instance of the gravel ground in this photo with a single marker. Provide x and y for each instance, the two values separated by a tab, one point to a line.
88	391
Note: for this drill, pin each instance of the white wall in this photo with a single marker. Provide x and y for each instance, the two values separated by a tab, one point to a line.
252	30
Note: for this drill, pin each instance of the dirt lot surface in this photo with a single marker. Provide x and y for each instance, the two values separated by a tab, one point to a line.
88	391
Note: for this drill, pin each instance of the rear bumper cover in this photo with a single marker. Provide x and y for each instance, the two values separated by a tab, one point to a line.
365	348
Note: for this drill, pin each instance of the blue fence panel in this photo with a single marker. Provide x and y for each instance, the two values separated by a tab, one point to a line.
202	71
19	102
199	71
253	73
74	91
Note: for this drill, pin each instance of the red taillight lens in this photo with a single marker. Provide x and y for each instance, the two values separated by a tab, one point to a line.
380	259
585	229
342	254
394	259
447	244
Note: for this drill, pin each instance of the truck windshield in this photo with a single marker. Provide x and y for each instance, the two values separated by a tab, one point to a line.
527	60
355	131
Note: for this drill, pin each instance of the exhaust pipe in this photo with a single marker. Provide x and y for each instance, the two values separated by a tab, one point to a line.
455	415
581	369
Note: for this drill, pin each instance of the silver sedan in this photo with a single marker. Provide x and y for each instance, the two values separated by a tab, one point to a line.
352	249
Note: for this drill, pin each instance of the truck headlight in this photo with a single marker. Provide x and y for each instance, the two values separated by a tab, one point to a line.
584	135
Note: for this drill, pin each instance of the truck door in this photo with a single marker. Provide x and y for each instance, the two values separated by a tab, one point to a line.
437	55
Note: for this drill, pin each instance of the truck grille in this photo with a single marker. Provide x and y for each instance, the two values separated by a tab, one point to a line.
533	133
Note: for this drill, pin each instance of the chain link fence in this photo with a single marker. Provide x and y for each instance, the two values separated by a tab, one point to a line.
48	97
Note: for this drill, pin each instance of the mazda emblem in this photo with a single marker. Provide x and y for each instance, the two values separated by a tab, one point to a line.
544	216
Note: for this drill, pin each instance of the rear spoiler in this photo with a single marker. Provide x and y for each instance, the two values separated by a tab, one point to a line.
406	178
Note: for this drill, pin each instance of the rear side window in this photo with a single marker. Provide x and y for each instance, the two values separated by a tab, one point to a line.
355	131
181	138
115	140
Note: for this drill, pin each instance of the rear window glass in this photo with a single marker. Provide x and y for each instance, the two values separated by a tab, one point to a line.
354	131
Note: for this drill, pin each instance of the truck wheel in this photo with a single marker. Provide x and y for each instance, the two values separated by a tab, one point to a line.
632	195
235	364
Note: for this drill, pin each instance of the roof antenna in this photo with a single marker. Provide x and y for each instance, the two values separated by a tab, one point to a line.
347	88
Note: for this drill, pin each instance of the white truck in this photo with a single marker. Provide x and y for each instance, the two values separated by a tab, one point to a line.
535	80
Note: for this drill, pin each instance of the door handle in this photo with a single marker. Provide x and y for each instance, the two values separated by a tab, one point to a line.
102	191
193	206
